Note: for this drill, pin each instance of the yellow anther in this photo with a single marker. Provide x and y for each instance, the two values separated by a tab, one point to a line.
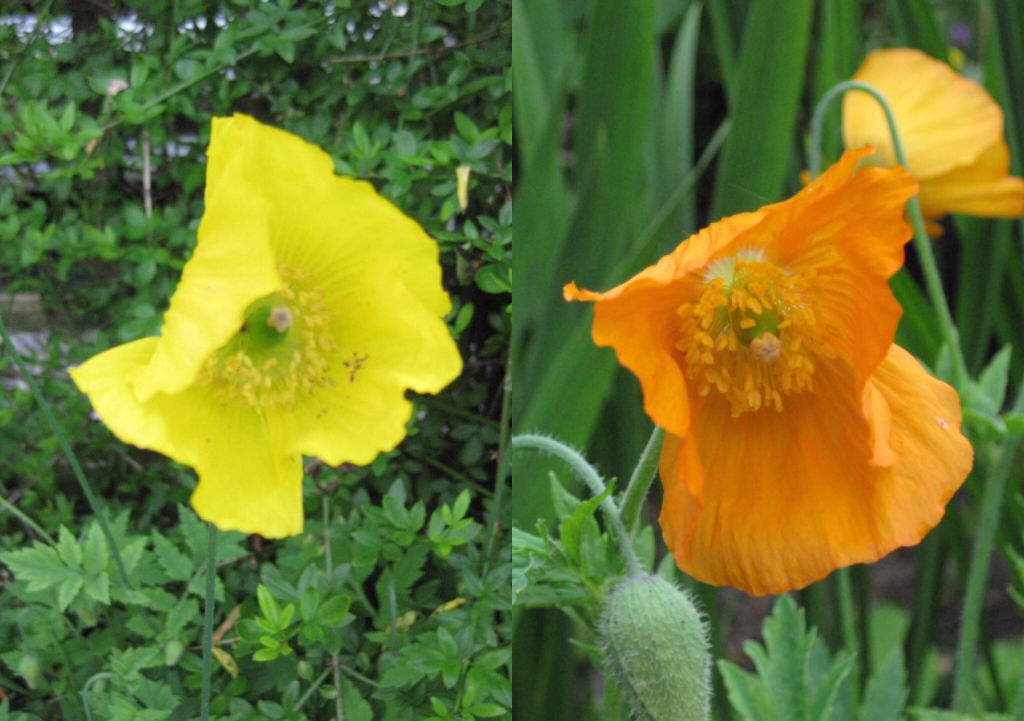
751	335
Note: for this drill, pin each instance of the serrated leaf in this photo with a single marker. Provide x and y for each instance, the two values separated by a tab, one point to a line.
886	692
820	707
129	664
67	591
97	587
746	694
68	549
571	529
95	551
176	564
39	567
795	679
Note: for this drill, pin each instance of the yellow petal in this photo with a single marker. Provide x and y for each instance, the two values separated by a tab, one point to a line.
950	128
944	119
383	348
232	266
246	482
983	188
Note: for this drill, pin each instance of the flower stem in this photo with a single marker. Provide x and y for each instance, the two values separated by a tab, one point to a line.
339	711
848	622
211	584
932	279
585	471
640	481
24	518
970	622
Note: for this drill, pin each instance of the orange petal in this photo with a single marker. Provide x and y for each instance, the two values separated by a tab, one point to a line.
847	226
786	498
638	318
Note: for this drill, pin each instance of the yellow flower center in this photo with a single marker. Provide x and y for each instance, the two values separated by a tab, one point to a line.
280	352
752	335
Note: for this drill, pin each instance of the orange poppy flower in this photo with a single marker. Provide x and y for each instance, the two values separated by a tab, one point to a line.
798	438
951	130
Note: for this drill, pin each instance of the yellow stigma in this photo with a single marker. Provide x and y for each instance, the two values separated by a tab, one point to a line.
752	335
281	351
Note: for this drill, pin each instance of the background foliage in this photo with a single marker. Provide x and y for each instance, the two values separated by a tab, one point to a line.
634	130
399	581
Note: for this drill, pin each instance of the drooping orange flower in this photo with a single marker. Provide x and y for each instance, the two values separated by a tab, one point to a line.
950	128
799	438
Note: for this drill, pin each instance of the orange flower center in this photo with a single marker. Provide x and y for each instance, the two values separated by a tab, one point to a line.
279	353
752	335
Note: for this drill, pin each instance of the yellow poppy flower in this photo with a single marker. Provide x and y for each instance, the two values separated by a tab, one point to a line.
799	439
950	128
309	306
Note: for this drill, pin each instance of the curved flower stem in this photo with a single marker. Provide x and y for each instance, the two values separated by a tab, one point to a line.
640	481
24	518
970	621
84	693
65	447
922	243
211	584
586	472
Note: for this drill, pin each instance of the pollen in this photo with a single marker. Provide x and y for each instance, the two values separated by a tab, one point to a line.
752	335
280	354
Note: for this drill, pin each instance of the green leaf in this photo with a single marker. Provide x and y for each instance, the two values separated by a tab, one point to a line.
570	531
886	692
746	694
763	108
176	564
68	549
95	550
992	381
268	606
41	569
795	679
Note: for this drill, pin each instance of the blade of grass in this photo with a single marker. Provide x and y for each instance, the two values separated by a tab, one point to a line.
768	85
674	150
918	26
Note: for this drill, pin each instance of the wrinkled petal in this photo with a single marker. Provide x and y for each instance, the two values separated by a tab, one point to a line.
309	307
246	483
983	188
209	304
792	497
847	228
383	349
638	318
950	128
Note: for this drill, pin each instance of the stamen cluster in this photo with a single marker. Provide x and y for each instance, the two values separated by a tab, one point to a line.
751	335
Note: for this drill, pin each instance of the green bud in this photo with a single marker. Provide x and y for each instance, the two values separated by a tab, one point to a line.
172	652
656	646
30	668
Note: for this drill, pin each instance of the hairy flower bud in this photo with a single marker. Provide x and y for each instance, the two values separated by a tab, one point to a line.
656	647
